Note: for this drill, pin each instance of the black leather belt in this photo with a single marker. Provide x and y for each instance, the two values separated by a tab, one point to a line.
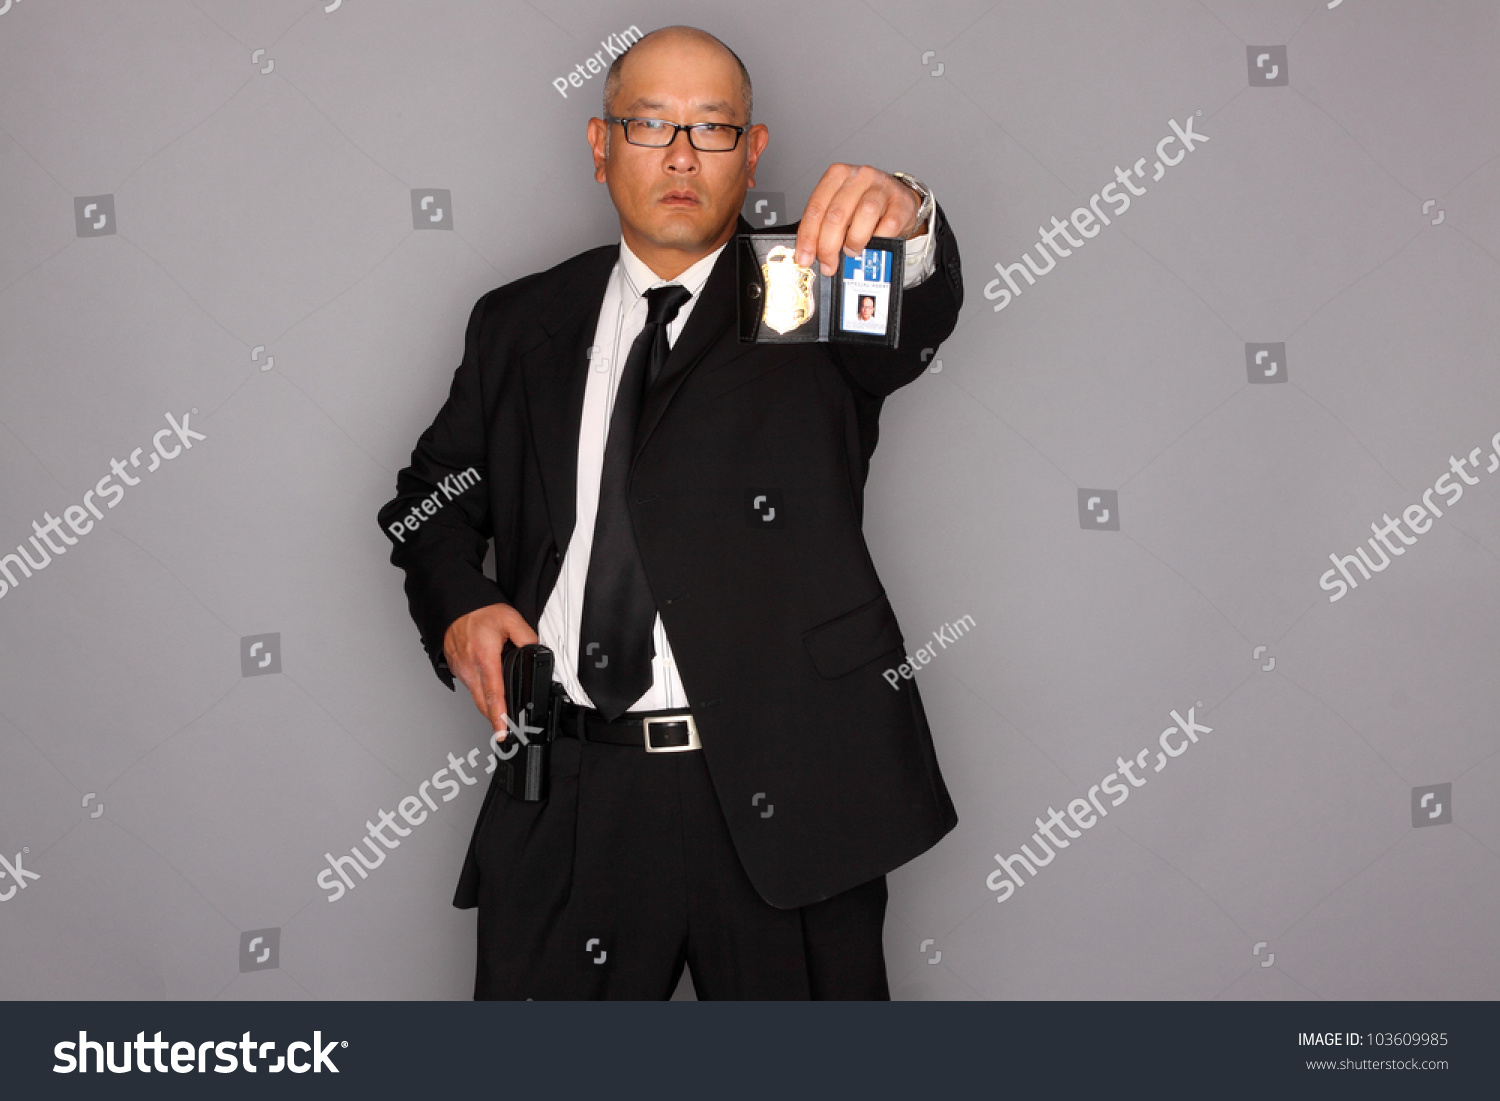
654	731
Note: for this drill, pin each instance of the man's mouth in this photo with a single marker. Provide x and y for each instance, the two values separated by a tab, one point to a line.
680	198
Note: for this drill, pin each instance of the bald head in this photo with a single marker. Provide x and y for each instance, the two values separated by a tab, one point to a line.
677	43
677	202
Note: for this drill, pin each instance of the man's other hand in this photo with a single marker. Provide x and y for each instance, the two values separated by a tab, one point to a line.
472	645
851	204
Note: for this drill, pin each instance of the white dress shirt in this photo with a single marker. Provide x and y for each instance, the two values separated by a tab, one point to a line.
622	316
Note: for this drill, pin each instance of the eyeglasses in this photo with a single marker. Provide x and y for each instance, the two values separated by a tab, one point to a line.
706	137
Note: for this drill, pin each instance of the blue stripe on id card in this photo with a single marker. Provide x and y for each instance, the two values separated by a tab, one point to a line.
871	266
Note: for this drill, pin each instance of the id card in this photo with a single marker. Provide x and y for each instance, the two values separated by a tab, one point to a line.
781	302
866	298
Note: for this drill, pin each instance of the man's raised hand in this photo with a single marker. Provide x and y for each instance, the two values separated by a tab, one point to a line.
851	204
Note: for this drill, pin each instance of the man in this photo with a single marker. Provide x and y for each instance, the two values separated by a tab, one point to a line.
678	516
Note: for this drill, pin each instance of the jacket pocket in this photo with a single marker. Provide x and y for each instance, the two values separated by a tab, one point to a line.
853	639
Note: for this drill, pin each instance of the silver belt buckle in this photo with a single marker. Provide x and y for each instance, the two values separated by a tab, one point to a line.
667	720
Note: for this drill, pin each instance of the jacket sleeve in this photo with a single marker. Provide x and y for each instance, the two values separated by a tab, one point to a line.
929	312
439	521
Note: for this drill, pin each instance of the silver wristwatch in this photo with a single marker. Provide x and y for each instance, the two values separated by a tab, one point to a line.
924	213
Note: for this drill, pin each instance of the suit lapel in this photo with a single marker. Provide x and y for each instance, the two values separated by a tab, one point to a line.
556	373
701	344
556	370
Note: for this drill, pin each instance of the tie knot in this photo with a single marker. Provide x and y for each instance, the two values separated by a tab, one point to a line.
664	302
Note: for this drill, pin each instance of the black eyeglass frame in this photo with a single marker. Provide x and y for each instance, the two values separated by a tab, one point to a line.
739	132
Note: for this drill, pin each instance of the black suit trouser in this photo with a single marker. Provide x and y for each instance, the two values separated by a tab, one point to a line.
627	872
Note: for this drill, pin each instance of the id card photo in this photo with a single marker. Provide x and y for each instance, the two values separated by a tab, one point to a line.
867	292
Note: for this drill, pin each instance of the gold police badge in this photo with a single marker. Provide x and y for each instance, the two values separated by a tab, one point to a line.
789	290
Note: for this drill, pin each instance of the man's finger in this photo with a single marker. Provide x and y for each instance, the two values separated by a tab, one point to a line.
465	674
870	218
476	690
493	681
811	224
841	210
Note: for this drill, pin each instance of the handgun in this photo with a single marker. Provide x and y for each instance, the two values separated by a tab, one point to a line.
527	672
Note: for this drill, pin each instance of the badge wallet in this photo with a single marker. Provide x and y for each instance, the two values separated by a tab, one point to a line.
782	303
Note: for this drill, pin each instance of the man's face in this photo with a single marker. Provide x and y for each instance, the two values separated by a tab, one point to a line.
677	197
866	308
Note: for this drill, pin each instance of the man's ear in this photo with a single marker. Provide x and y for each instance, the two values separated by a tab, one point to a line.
755	143
598	139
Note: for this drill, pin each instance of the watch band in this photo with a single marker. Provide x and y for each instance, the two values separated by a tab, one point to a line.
924	212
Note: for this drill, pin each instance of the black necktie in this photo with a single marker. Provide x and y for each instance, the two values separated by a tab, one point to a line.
615	647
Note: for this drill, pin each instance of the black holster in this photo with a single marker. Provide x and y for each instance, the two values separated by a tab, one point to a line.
531	702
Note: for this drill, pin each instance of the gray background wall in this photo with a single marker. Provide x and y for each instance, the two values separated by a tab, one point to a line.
261	266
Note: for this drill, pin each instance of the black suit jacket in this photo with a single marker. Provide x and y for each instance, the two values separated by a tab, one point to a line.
780	630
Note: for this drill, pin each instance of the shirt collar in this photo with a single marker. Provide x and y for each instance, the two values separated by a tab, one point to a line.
639	278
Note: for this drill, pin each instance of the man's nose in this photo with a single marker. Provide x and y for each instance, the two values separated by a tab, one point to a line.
681	154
